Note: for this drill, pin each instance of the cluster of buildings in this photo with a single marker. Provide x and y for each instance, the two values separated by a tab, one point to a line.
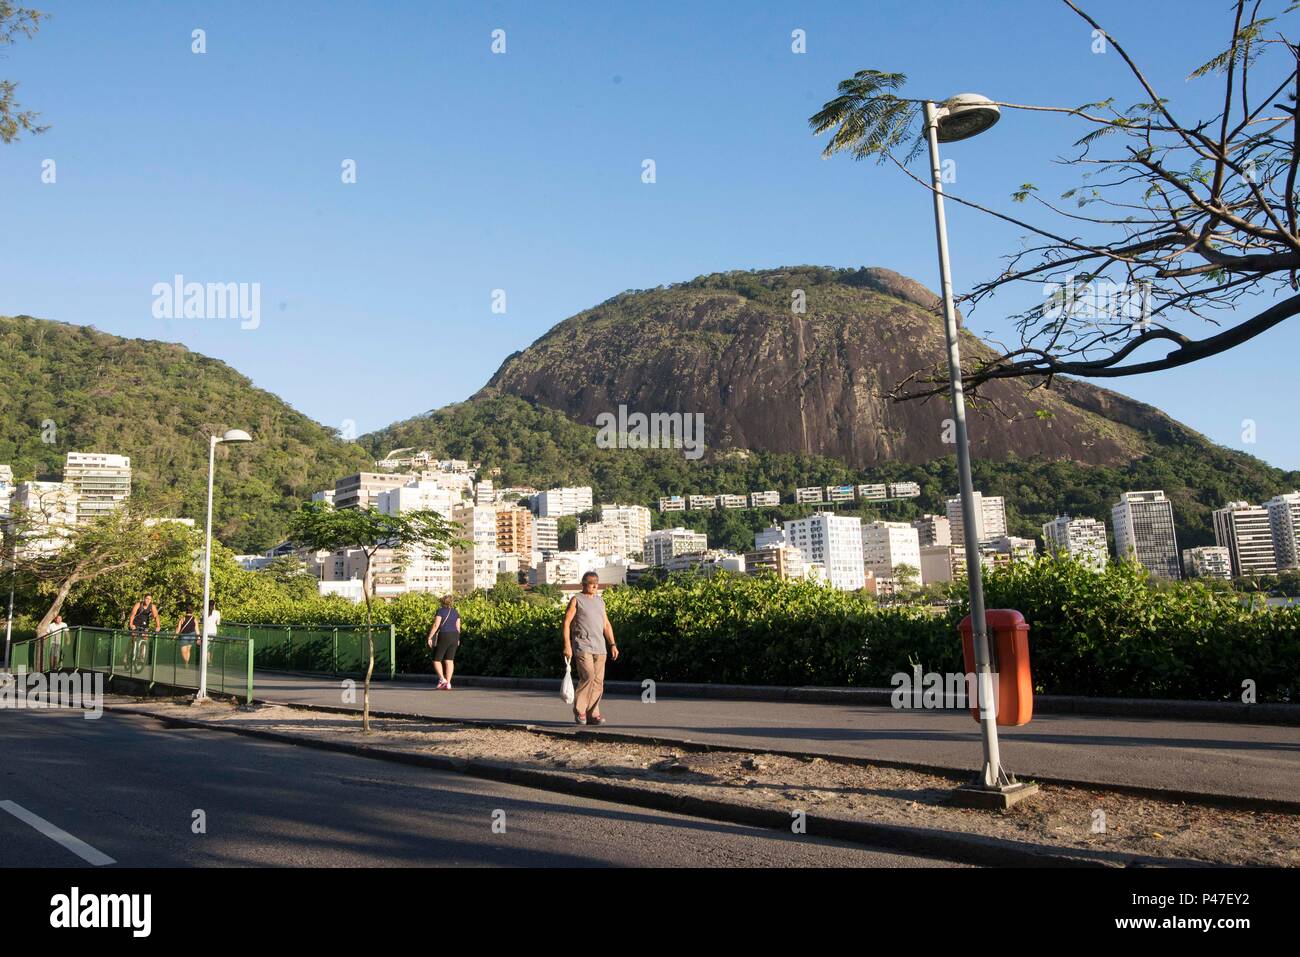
811	495
93	484
510	531
515	531
1249	539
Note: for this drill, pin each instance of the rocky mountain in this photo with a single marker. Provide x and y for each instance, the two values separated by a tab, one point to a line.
766	376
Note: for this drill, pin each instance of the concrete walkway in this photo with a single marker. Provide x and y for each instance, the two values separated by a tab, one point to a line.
1235	759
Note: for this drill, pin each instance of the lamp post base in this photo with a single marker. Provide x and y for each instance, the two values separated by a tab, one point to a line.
995	797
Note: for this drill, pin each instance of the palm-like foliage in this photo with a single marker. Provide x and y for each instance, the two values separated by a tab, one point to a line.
869	119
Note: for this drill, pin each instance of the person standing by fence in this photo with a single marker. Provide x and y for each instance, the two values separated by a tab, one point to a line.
446	627
187	630
586	631
54	640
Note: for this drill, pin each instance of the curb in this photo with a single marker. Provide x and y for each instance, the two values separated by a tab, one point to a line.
1228	711
1224	801
950	845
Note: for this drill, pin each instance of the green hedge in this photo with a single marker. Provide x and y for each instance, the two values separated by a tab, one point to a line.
1114	634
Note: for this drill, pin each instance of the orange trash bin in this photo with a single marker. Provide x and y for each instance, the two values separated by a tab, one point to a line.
1009	658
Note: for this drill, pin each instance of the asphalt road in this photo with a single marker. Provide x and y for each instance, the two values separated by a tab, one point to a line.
1215	758
126	788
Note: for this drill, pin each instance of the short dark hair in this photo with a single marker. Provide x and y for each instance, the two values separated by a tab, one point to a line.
590	575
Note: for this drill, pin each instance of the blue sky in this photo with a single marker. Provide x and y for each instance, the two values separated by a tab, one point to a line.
522	172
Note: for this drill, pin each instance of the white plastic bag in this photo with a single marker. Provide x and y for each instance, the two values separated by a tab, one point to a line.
566	686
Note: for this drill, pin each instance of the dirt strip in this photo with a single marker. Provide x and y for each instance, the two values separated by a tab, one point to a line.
1093	823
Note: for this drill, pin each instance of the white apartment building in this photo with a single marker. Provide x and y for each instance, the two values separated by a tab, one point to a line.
887	545
476	565
873	492
461	482
933	530
769	537
834	541
1015	549
555	502
904	490
102	482
417	495
1083	539
672	503
764	499
325	495
634	518
731	501
1144	532
1207	561
1284	519
667	543
697	502
546	534
360	489
1246	532
6	488
567	568
484	493
812	495
606	538
990	517
421	569
50	510
836	494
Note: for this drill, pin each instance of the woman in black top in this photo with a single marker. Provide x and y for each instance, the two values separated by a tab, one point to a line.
446	626
187	630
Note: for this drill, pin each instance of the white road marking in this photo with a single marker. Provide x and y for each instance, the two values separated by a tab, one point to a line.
57	834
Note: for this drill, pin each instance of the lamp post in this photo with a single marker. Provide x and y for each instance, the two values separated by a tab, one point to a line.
232	436
959	118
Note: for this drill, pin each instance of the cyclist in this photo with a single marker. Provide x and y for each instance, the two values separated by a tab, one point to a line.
143	614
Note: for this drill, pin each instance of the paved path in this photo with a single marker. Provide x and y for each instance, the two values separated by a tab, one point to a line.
128	786
1247	760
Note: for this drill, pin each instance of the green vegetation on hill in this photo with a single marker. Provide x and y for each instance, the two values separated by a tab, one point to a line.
157	402
539	446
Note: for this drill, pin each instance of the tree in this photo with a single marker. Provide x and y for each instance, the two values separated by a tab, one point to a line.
61	557
908	578
16	21
1178	220
320	527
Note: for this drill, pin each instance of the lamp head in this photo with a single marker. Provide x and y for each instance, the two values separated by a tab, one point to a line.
966	115
236	435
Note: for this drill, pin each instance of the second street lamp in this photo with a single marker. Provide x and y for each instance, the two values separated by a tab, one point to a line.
964	116
232	436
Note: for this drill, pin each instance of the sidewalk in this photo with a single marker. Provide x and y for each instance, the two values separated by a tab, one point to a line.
1229	758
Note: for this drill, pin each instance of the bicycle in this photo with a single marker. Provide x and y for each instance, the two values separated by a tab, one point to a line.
137	656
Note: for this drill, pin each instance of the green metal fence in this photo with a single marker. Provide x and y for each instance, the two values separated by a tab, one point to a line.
321	649
153	658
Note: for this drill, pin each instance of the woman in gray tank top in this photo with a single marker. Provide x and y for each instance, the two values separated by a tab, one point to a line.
586	632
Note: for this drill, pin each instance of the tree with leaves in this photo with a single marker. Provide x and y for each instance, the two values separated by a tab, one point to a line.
15	22
59	558
318	526
1177	219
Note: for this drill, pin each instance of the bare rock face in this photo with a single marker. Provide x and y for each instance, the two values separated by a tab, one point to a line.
803	359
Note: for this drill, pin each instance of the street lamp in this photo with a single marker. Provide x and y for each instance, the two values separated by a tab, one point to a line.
232	436
959	118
